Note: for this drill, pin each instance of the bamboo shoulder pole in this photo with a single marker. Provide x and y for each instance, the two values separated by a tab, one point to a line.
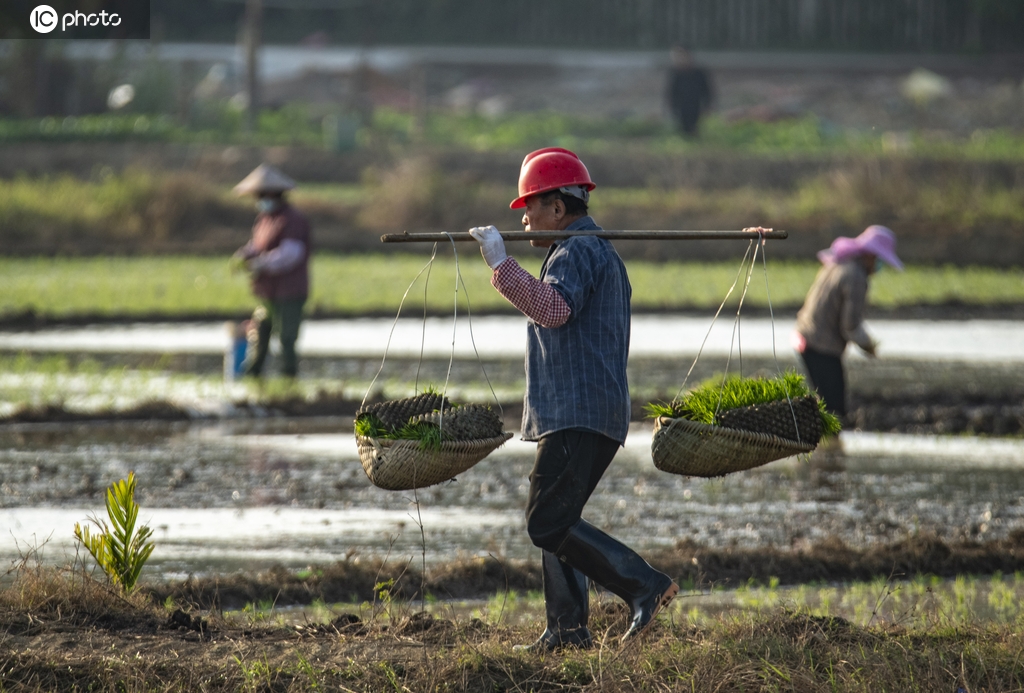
461	236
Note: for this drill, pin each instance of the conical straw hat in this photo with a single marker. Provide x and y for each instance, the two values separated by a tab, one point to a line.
264	179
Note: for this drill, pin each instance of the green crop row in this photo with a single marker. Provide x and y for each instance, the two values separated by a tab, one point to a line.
297	124
374	284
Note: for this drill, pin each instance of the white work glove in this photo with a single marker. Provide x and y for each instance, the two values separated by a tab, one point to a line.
492	247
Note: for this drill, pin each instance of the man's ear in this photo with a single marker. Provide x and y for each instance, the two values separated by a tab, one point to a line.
558	207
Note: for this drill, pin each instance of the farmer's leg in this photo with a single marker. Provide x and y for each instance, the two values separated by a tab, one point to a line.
827	377
569	464
290	311
259	338
568	467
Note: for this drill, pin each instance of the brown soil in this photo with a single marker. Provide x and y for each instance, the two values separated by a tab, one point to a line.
955	414
148	650
324	404
998	416
71	633
689	563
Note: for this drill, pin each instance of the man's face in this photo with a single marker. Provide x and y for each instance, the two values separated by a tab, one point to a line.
542	217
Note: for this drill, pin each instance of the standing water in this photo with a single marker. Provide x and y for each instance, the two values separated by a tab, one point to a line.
247	495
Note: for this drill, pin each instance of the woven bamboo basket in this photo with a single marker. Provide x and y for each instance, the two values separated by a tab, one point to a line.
399	465
691	448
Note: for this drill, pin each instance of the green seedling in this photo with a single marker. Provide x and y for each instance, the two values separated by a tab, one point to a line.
428	434
716	395
119	549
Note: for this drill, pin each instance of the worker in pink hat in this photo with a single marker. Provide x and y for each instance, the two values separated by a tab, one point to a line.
833	312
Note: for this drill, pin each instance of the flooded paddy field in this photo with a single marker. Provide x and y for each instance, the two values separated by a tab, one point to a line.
952	376
247	495
666	335
238	477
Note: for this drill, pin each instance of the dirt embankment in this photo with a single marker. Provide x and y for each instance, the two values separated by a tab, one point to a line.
1000	415
888	395
118	646
815	197
689	563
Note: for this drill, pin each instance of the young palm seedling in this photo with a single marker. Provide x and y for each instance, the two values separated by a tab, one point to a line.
119	549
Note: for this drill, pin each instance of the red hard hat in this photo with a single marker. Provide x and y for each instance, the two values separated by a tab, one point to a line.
549	169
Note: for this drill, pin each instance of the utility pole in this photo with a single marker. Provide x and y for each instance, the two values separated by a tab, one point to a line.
253	36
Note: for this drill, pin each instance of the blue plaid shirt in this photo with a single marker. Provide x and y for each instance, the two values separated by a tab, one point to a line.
576	373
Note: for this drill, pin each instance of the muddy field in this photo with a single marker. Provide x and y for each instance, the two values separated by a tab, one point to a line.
244	496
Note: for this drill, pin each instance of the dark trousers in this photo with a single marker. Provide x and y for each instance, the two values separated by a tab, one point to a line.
568	467
828	378
283	318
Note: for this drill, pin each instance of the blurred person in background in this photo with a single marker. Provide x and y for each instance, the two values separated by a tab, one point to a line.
577	403
277	259
833	312
689	92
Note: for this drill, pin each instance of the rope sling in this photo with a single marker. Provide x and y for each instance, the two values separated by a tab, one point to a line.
692	448
468	433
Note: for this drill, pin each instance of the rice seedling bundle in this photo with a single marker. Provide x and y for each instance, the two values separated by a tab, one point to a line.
424	440
736	423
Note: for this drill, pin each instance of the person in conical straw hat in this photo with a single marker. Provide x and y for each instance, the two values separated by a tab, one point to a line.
577	405
277	258
833	312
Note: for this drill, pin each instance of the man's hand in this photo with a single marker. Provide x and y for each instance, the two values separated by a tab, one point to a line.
492	247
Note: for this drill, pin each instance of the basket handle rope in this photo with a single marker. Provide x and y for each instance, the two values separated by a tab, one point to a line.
423	332
700	351
737	335
469	318
735	341
394	324
775	354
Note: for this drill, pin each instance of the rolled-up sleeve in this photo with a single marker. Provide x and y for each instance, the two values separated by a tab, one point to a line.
536	299
281	259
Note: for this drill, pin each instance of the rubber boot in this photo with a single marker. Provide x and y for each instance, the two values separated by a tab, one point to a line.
621	571
567	601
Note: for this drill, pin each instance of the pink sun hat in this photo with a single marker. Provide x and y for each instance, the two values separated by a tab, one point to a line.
877	240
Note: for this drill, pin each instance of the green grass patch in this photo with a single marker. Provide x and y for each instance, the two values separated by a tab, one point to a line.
139	212
131	210
219	123
171	286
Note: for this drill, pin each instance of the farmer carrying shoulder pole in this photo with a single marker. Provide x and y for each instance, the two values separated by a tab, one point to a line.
833	312
577	401
278	259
